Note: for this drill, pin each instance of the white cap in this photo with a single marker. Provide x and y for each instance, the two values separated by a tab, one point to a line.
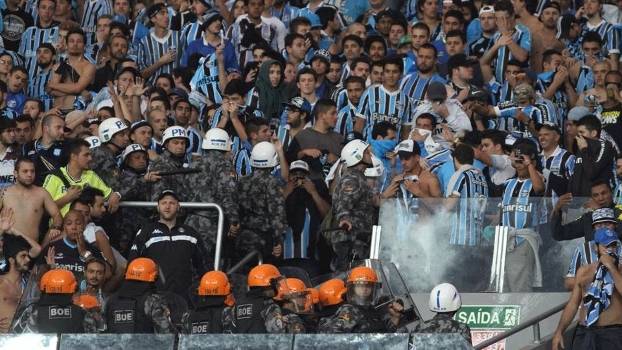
299	165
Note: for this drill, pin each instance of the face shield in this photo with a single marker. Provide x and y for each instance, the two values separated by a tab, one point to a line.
375	174
295	297
362	293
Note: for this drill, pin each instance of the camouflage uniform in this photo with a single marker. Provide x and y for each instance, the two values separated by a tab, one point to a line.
443	323
106	165
132	187
216	183
155	308
262	213
227	321
352	201
179	183
26	322
294	323
356	319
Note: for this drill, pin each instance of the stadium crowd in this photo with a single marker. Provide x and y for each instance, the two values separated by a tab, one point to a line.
300	119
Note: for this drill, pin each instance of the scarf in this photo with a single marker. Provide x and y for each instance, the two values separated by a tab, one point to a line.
271	98
598	295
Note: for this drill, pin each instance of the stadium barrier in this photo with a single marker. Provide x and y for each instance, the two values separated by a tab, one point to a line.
398	341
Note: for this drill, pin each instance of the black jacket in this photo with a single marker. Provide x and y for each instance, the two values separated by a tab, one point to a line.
594	163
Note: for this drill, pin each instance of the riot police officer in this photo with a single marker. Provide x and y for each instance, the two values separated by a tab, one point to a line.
256	312
55	312
353	206
445	301
175	142
213	306
331	295
114	136
359	314
295	300
136	307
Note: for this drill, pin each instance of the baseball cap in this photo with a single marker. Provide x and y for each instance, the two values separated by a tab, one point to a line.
168	193
139	124
299	165
405	40
603	215
576	113
312	17
321	54
605	236
477	94
436	91
178	92
299	103
407	147
550	126
210	17
487	9
154	9
460	60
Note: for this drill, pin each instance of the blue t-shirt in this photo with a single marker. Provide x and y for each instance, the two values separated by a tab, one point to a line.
15	101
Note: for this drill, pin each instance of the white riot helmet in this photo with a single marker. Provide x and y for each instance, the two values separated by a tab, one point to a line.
377	168
352	152
175	132
131	149
264	155
109	127
216	139
444	298
93	141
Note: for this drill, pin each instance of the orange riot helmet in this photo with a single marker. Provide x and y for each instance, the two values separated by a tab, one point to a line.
142	269
58	281
214	283
262	275
362	286
332	291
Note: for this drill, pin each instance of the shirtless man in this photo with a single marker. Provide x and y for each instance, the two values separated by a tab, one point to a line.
600	70
19	250
29	202
71	77
605	332
415	181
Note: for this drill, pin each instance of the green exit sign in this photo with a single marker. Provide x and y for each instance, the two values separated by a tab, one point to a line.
489	316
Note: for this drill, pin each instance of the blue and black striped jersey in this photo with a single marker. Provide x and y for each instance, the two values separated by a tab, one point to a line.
467	219
415	86
607	32
151	48
93	9
520	204
522	37
37	85
32	38
377	105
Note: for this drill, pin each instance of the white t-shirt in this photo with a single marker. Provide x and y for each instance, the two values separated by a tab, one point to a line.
90	230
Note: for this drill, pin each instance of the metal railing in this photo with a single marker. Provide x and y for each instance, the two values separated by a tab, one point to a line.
246	259
221	220
531	322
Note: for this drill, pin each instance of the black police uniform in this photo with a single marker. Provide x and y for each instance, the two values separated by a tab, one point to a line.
208	316
56	313
125	310
247	313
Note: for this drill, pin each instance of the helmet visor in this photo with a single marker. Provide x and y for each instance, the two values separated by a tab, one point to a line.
362	293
